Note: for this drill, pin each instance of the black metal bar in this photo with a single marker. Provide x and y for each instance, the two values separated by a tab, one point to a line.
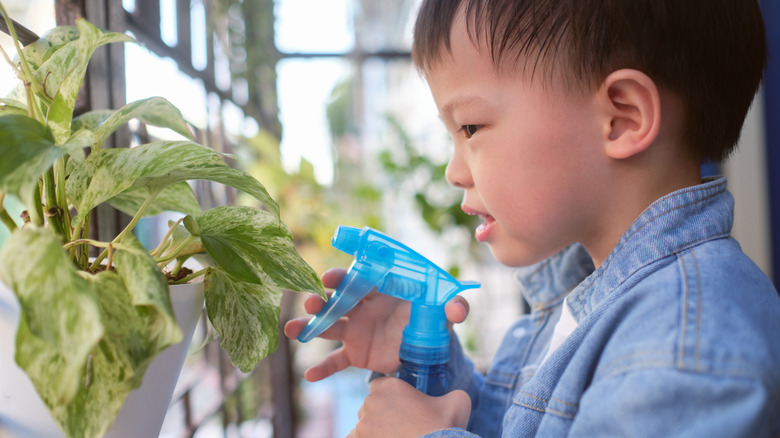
25	35
359	55
771	10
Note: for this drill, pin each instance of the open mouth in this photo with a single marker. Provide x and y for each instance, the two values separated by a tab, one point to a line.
485	229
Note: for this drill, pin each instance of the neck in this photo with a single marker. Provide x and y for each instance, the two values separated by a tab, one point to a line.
635	183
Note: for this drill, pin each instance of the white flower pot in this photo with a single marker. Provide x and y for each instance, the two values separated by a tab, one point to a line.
23	414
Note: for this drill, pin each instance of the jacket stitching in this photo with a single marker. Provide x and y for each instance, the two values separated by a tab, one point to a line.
652	219
697	354
530	407
535	397
684	322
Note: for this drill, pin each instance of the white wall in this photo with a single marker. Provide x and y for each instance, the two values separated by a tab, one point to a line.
747	174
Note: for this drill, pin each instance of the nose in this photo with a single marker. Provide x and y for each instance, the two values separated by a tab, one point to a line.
457	172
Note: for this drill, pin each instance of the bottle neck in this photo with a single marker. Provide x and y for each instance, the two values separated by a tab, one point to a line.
426	339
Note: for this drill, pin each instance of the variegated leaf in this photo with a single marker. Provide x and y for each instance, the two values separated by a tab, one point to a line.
39	51
180	234
155	166
176	197
245	315
12	106
249	245
90	120
26	151
148	288
60	318
155	111
61	109
78	141
116	365
139	323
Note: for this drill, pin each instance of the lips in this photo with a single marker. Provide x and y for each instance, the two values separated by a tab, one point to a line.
485	229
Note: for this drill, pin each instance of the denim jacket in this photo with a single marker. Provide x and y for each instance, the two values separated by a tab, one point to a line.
678	335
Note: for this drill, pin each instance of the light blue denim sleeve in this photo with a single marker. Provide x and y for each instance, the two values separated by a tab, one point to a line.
671	402
460	371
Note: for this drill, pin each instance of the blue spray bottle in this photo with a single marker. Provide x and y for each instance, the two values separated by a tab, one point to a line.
396	270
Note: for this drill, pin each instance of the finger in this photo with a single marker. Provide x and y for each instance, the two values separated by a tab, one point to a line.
313	304
362	411
460	402
457	309
293	327
332	277
334	362
335	332
376	384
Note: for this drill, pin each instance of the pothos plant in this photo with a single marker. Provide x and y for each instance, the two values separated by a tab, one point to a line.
89	327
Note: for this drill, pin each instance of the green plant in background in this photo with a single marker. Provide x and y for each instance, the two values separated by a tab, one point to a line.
89	328
438	204
311	210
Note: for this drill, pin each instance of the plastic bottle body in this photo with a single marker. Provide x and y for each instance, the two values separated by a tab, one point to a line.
428	378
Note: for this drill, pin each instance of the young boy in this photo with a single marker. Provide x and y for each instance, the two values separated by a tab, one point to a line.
579	130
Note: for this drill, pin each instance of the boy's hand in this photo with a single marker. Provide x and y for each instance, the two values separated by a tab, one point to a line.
370	333
393	408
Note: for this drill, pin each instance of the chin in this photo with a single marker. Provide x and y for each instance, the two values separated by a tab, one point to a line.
516	257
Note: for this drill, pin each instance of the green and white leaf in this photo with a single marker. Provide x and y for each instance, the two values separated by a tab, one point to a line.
245	315
192	247
12	106
90	120
116	365
109	172
139	323
39	51
83	138
136	330
249	245
26	151
60	318
156	111
176	197
148	288
60	112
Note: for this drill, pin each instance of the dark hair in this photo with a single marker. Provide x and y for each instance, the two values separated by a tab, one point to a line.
710	53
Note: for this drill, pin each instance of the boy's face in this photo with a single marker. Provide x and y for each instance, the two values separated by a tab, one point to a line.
527	156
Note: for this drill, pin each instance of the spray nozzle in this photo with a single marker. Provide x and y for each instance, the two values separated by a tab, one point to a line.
396	270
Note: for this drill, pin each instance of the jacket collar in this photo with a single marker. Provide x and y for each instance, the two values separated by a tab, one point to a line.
675	222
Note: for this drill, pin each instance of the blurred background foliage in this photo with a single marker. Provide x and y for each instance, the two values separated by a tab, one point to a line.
320	102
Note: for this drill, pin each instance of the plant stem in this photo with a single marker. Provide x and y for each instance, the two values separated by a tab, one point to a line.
61	198
177	267
4	216
173	254
53	211
110	256
138	215
85	248
192	276
36	210
29	78
96	243
161	247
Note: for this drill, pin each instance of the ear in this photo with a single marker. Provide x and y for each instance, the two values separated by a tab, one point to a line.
632	106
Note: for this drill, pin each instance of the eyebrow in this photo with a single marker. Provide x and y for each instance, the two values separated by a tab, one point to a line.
451	106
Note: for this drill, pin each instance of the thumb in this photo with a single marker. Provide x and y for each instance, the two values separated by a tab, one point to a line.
458	405
456	309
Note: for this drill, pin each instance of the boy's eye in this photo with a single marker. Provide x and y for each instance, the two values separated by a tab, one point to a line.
469	130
